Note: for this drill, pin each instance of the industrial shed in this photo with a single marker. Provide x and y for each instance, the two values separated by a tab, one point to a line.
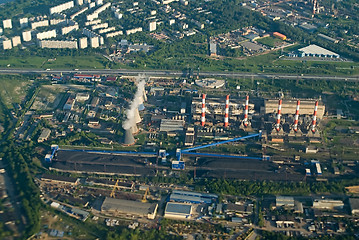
178	211
114	206
192	197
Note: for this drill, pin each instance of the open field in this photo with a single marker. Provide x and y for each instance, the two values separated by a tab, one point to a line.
13	89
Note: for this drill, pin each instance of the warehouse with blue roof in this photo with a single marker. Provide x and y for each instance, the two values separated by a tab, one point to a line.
192	197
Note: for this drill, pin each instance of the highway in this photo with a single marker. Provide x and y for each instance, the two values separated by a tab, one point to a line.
173	73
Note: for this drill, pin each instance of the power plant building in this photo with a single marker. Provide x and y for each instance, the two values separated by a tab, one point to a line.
289	106
46	35
57	44
7	23
62	7
26	36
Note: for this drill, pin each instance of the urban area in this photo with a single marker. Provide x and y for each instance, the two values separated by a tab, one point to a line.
161	120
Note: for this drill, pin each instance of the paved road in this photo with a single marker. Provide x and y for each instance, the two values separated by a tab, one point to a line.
180	73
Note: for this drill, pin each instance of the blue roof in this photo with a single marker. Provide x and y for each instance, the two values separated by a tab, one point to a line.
193	197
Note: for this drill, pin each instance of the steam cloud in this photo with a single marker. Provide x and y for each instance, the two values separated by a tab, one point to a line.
130	113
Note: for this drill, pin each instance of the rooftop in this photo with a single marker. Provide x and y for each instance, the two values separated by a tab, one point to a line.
178	208
314	49
125	206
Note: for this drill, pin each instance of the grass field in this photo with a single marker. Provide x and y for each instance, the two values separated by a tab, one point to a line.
270	41
13	89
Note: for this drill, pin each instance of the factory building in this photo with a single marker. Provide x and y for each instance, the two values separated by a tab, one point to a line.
192	197
178	211
289	106
117	207
6	44
44	135
284	201
66	30
46	35
57	44
62	7
314	51
43	23
329	204
152	26
134	30
7	23
83	42
16	40
24	22
26	36
169	125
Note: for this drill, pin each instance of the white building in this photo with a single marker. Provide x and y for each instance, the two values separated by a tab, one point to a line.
44	135
7	23
24	22
152	26
16	40
6	44
178	211
134	30
172	21
83	42
43	23
94	42
98	26
89	23
68	29
46	35
328	204
57	44
26	36
78	13
113	34
62	7
106	30
79	2
58	21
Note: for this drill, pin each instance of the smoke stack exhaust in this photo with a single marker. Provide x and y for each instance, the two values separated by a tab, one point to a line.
245	120
295	126
277	126
129	139
226	113
137	117
203	118
134	129
314	122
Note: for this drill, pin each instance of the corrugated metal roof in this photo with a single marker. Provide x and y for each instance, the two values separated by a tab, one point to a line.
178	208
314	49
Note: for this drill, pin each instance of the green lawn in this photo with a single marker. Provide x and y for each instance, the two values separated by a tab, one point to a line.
13	89
270	41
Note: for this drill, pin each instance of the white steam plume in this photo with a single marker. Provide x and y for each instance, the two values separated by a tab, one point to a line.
134	105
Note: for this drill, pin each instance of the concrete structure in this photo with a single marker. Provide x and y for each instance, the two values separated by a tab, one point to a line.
7	23
210	83
178	211
26	36
78	12
6	44
57	44
289	106
58	21
213	49
59	180
117	207
46	35
354	206
43	23
66	30
106	30
82	97
328	38
284	201
69	103
93	22
24	22
62	7
134	30
79	2
98	26
152	26
192	197
169	125
92	34
16	40
95	14
328	204
44	135
83	43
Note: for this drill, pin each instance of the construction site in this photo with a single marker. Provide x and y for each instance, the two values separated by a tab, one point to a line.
207	135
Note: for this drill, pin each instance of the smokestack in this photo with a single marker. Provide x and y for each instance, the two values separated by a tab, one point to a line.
295	127
137	117
203	119
314	122
129	139
245	120
226	112
134	129
277	126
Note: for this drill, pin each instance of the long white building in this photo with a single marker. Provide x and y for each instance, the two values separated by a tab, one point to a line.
62	7
57	44
134	30
113	34
68	29
46	35
43	23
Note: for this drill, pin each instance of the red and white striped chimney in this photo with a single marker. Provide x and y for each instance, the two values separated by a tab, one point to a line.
245	120
314	122
203	118
277	126
295	126
226	112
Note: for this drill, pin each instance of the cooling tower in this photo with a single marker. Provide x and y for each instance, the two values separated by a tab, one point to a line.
134	129
129	139
137	117
141	106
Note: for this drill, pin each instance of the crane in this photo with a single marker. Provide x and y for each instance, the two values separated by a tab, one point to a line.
114	189
144	199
